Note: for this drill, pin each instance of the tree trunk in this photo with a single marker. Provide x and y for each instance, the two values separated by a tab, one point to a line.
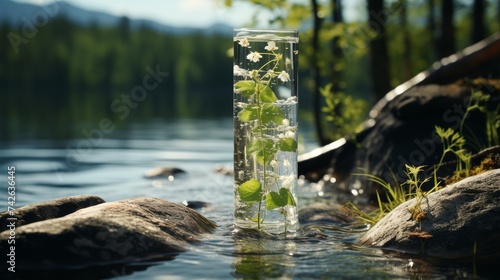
407	63
478	28
379	64
337	18
316	75
447	40
431	24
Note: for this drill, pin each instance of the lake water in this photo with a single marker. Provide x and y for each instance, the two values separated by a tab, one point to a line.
113	168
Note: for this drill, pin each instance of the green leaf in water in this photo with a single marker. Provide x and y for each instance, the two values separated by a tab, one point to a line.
266	94
271	113
275	200
250	191
249	113
289	197
263	150
245	88
287	145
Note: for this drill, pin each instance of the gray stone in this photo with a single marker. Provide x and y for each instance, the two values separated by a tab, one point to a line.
137	229
457	217
49	210
161	172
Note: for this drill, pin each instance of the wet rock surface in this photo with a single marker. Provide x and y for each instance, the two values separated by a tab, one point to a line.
140	229
51	209
458	218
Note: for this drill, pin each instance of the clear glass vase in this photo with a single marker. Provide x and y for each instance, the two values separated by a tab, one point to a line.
265	129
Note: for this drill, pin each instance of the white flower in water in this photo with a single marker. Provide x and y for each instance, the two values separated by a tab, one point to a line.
286	163
287	182
288	61
254	56
244	42
241	104
274	163
289	134
237	71
270	73
291	99
271	46
285	126
283	76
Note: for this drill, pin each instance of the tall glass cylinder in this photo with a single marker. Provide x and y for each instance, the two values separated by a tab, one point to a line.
265	129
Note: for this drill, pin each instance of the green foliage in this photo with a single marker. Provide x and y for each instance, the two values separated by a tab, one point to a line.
342	53
250	191
245	88
263	150
343	113
414	190
287	145
395	195
271	113
478	102
279	199
455	142
492	125
249	113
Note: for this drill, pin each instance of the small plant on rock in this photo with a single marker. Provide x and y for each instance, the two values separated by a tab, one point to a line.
396	195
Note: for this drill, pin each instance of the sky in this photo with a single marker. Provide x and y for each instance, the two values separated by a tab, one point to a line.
191	13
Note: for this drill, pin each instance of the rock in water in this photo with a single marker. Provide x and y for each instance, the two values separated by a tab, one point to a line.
49	210
166	172
458	218
137	229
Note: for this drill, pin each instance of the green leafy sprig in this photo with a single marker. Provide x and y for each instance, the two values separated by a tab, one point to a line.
263	111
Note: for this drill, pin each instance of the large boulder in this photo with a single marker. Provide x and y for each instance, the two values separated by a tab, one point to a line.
460	221
139	229
404	131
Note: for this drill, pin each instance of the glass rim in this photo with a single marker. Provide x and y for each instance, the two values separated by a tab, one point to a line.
289	32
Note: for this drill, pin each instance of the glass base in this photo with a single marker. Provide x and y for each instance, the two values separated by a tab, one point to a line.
268	227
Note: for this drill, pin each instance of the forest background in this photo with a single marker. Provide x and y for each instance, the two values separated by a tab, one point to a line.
68	75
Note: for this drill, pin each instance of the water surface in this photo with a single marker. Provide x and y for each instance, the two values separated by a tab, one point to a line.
113	168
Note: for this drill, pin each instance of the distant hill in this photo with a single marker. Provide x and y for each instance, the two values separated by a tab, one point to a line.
16	13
